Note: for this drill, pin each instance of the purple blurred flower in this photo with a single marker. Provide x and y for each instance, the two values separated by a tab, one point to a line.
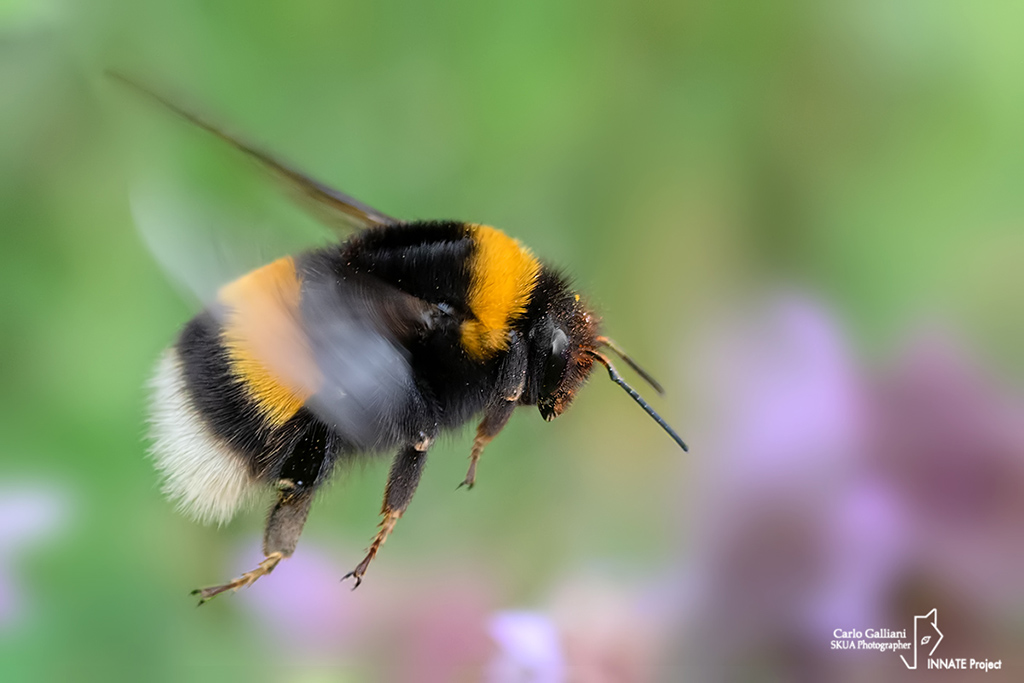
949	441
828	494
303	603
529	649
30	514
786	435
787	394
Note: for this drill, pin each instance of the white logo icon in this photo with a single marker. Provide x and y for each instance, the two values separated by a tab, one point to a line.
927	623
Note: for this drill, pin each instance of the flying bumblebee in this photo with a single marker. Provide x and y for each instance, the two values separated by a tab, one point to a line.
377	343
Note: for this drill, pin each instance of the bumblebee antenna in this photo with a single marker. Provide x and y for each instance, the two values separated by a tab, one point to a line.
610	343
614	374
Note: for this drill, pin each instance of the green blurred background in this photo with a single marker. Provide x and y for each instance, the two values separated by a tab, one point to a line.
680	159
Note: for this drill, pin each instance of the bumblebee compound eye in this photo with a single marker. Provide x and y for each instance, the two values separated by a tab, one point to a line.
552	400
554	368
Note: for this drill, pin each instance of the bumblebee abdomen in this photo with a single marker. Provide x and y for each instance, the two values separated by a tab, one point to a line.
208	477
217	424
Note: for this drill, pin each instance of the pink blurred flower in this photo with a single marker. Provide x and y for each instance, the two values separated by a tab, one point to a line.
590	629
405	624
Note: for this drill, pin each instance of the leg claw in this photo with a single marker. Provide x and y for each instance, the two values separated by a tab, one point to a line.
246	579
352	575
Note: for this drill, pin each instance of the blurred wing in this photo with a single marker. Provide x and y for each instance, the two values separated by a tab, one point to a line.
333	342
300	334
337	209
203	244
357	328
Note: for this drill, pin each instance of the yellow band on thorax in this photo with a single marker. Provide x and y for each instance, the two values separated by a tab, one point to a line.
504	274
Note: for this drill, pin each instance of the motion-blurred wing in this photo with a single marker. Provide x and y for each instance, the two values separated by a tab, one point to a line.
358	328
300	332
337	209
328	340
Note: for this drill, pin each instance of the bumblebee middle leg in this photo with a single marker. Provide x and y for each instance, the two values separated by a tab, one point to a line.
402	481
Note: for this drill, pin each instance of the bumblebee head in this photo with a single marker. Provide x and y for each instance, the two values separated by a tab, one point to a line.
565	344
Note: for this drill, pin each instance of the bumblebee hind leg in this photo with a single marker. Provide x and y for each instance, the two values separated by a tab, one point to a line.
402	481
301	474
284	526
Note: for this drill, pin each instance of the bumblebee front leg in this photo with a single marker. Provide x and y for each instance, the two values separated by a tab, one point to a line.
284	526
402	481
494	421
510	383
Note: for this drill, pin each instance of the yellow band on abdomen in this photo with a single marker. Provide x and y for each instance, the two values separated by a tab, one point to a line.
266	344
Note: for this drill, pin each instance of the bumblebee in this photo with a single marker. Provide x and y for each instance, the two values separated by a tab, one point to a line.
377	343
